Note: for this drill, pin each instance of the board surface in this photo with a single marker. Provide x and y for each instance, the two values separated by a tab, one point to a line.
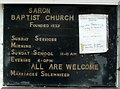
41	47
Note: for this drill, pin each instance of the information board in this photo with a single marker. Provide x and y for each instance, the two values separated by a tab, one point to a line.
42	46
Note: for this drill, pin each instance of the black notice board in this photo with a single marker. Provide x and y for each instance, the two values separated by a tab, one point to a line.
38	48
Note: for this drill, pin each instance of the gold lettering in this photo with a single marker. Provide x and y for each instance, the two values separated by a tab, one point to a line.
59	17
15	73
44	74
13	52
14	38
32	24
14	45
13	59
37	67
55	67
39	10
25	17
45	39
68	54
82	67
35	52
